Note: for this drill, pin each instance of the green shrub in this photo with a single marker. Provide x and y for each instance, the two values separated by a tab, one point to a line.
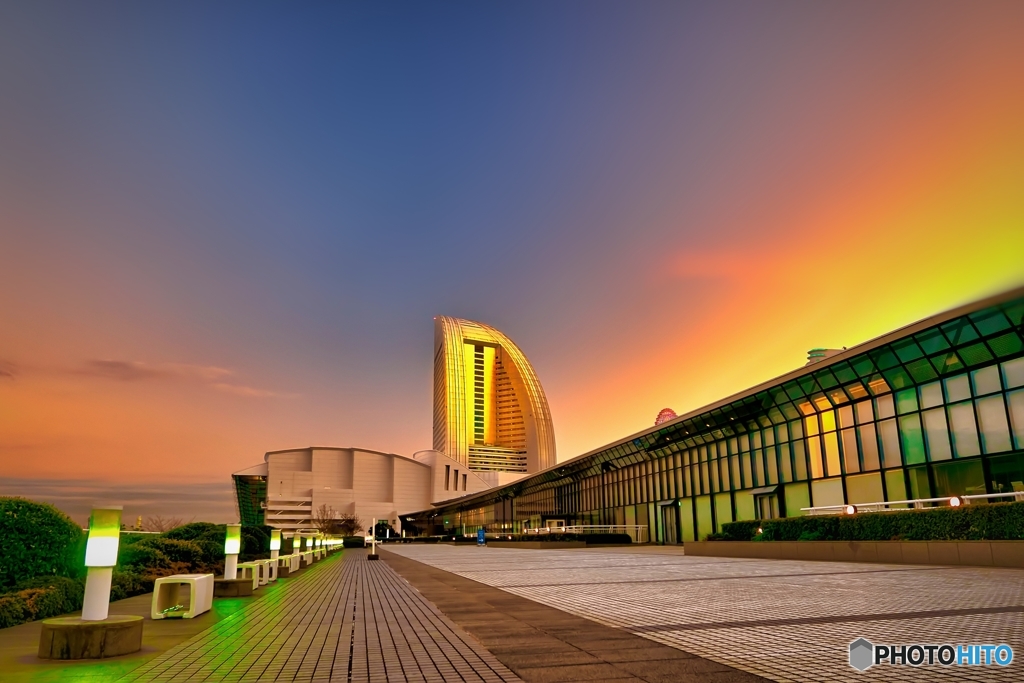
41	598
38	540
65	594
212	552
125	584
195	531
353	542
187	552
13	611
978	522
255	541
142	556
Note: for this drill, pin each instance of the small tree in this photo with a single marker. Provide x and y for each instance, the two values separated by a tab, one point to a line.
381	531
324	518
162	524
348	525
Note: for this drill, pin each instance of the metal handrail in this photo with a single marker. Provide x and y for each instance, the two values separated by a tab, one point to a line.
915	503
639	529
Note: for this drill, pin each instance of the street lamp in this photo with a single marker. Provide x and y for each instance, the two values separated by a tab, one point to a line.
100	558
232	546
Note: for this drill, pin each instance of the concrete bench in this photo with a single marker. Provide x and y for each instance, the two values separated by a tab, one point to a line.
251	571
167	599
264	571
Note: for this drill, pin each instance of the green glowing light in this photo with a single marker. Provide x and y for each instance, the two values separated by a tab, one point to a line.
104	533
233	539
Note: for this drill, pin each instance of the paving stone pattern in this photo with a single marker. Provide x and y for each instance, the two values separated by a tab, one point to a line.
781	619
344	619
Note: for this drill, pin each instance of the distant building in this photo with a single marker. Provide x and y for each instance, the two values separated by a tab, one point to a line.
289	487
490	412
932	410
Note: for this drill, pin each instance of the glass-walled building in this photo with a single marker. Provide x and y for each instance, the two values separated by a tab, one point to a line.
490	411
933	409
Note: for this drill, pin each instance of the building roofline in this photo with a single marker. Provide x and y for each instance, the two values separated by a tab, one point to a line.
335	448
912	328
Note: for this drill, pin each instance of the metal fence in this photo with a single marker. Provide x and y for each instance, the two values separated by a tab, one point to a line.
914	504
637	532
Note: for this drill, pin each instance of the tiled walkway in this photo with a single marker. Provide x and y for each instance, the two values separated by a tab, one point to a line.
784	620
345	619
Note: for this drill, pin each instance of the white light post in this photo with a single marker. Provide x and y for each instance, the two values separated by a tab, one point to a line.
275	550
100	558
232	546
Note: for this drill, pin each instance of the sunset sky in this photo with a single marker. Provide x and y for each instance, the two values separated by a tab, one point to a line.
225	228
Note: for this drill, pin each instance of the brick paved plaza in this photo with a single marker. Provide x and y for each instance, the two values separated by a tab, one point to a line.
783	620
629	615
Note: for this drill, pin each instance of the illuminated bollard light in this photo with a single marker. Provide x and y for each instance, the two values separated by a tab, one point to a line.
100	558
232	546
275	550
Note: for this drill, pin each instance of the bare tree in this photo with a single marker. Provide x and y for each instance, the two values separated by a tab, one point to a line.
324	517
161	523
348	525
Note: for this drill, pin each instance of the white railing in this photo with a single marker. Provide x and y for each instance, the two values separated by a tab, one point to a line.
913	504
637	531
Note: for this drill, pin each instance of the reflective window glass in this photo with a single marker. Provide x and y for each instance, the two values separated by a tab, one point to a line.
845	416
748	477
814	455
890	443
850	456
913	439
906	401
856	391
1013	373
828	421
769	437
811	425
884	407
965	431
783	432
986	380
957	389
995	433
796	431
799	461
931	395
786	461
1016	404
832	454
756	436
864	412
936	434
734	468
759	467
773	465
869	447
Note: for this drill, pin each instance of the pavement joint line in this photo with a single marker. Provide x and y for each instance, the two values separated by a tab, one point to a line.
849	618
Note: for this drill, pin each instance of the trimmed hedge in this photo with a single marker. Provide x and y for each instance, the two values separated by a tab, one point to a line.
41	598
978	522
353	542
38	540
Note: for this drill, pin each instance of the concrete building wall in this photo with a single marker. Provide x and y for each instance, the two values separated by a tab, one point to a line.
356	481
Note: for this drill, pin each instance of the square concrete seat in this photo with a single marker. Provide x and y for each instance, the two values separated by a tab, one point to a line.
168	601
251	571
264	571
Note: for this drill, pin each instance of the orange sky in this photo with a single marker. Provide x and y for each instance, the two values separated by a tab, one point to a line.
668	234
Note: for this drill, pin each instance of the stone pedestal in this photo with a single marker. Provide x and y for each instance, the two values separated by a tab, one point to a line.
232	588
72	638
373	556
284	572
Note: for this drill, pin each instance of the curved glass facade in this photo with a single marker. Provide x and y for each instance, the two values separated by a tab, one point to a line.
490	411
934	409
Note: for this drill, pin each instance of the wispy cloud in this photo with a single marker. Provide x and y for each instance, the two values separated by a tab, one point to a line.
130	370
207	501
251	392
209	376
8	370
